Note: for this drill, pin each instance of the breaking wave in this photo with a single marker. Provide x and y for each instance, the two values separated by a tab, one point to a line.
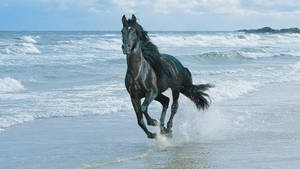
232	89
23	45
8	84
225	40
29	39
77	101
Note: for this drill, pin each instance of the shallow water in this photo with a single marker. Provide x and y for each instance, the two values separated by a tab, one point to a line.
74	82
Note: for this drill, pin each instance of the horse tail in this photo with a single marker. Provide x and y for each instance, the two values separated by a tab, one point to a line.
196	92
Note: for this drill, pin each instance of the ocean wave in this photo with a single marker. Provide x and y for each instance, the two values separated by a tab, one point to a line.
111	35
29	39
206	40
69	102
232	89
223	72
294	74
296	66
243	53
111	44
26	46
10	120
220	55
229	55
29	48
91	44
8	84
224	40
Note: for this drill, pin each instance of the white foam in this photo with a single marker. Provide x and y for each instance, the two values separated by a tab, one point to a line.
8	84
110	44
225	40
29	48
29	39
232	89
296	66
162	141
91	45
8	51
110	35
193	125
10	120
294	74
206	40
256	55
76	101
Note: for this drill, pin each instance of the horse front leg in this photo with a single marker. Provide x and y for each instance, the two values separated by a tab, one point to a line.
148	99
139	115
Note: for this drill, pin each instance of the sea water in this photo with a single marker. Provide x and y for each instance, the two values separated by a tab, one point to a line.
253	121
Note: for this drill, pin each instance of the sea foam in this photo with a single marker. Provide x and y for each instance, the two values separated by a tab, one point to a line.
29	48
8	84
224	40
232	89
29	39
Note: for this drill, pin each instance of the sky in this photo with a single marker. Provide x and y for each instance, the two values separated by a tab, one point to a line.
153	15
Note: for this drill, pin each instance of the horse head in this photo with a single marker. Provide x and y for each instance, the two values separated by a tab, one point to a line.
130	35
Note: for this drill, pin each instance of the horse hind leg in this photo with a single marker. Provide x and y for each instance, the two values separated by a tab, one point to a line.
164	100
174	108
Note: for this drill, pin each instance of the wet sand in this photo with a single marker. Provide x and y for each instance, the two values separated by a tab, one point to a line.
114	141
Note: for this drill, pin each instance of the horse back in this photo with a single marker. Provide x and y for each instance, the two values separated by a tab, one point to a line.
173	67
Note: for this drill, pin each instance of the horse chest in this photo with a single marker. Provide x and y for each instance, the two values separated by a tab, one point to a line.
140	86
137	87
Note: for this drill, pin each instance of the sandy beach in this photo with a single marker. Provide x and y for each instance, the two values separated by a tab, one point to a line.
115	141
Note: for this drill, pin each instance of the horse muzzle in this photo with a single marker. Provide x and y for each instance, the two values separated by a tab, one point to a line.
128	49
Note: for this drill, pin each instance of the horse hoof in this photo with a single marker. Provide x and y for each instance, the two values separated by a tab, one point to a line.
153	122
152	135
163	130
168	130
169	134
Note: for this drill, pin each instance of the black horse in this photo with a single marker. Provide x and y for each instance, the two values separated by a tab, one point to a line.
150	73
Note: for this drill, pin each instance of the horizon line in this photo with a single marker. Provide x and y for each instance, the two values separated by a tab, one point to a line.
44	30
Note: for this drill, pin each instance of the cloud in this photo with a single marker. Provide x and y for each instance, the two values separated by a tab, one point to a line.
202	7
238	8
272	3
167	6
193	7
128	6
98	11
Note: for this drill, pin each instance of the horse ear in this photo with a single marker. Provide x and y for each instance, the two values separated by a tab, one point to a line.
133	18
124	20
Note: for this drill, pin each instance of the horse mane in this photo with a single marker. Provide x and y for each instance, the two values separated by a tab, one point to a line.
150	50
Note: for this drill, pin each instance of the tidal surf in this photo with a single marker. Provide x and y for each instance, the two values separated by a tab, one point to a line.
63	102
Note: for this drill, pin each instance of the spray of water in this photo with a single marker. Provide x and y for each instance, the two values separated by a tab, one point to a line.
162	141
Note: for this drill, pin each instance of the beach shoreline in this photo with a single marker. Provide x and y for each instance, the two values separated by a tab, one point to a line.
116	141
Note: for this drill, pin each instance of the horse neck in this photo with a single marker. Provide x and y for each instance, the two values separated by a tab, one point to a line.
135	61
